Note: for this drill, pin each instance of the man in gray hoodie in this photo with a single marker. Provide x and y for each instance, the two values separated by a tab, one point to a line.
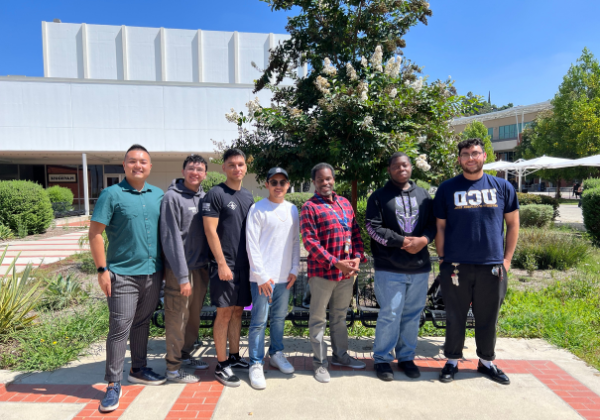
186	257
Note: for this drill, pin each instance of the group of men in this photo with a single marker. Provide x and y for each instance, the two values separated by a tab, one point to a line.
248	253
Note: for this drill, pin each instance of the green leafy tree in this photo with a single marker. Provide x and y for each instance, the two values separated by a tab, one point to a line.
476	105
476	129
360	102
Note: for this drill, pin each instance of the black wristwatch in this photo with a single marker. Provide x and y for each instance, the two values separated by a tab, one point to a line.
102	269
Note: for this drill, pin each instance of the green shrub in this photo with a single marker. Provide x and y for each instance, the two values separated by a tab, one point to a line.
425	185
361	214
298	199
527	199
535	215
58	194
549	249
591	183
27	204
590	205
5	233
62	291
212	179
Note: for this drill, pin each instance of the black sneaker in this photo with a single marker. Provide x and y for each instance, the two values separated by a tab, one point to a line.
226	377
448	372
146	376
384	372
237	361
493	373
410	369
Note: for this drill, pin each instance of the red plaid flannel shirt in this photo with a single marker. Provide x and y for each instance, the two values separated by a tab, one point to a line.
324	236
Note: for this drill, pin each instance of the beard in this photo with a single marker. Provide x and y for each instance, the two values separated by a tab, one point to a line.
478	168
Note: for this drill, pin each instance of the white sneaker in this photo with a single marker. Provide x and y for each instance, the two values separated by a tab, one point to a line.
257	376
279	361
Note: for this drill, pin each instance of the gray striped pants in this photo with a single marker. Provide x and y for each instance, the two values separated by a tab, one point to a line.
131	304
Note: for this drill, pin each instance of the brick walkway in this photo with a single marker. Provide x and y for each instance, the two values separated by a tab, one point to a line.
200	400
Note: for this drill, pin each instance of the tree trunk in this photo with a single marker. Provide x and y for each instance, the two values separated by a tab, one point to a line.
354	194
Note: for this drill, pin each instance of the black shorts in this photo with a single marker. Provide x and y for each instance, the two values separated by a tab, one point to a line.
236	292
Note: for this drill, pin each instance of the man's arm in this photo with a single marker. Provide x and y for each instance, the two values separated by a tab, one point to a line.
512	236
97	249
375	229
210	229
295	249
172	245
253	230
439	237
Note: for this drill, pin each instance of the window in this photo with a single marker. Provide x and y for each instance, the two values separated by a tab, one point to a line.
9	172
507	132
491	133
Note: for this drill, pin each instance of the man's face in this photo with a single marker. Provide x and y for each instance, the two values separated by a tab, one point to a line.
471	160
276	190
137	165
400	170
194	173
235	168
324	182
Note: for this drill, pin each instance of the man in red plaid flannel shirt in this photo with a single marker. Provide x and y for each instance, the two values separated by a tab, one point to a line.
332	238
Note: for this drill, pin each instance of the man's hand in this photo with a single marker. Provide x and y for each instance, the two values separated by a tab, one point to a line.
415	244
266	289
290	281
104	282
507	265
185	289
347	267
225	273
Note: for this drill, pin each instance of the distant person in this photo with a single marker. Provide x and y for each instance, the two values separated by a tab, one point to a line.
131	272
273	244
332	238
186	275
401	224
577	189
224	211
471	210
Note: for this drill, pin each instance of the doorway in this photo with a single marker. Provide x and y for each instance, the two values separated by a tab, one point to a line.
112	179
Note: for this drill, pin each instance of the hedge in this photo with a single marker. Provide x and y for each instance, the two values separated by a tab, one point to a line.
527	199
591	183
212	179
535	215
58	194
590	205
25	205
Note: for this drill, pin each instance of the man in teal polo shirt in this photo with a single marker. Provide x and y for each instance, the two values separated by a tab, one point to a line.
130	274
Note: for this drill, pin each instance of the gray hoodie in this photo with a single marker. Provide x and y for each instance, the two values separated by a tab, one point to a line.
181	230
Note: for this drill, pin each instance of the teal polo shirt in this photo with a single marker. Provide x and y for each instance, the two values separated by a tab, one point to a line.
132	219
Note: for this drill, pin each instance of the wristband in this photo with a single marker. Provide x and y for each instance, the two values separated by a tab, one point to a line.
102	269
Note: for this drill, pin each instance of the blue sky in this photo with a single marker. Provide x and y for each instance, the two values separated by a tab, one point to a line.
517	49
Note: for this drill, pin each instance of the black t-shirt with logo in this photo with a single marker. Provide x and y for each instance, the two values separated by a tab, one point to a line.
231	208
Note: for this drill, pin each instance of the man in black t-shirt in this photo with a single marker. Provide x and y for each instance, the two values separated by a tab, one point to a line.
224	211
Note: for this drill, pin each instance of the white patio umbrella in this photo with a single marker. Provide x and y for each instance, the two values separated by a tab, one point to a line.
586	161
526	167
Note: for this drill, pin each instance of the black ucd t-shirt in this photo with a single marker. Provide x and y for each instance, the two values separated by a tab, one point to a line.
231	208
474	213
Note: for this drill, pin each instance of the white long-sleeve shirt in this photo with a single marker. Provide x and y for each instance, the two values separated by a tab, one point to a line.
273	241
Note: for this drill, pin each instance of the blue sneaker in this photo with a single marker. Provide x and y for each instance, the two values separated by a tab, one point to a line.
110	402
146	376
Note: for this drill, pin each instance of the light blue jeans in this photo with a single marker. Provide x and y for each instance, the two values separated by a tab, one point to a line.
258	322
401	299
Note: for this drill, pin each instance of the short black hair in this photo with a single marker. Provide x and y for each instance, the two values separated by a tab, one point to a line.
229	153
468	143
318	167
397	155
137	147
195	159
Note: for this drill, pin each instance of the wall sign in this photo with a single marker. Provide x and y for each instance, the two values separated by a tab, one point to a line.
60	178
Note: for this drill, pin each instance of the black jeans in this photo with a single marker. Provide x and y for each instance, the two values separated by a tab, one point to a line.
479	286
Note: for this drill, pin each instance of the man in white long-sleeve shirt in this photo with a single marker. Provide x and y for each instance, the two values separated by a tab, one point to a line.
273	245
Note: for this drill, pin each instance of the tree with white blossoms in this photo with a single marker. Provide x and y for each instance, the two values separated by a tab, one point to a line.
360	102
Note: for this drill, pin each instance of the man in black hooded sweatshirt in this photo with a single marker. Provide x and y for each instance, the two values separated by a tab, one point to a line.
401	224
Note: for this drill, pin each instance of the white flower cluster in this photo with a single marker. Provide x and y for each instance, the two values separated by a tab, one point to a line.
328	69
416	85
364	62
422	164
253	106
377	58
295	112
232	116
392	67
421	140
393	93
351	72
363	90
325	104
322	84
367	122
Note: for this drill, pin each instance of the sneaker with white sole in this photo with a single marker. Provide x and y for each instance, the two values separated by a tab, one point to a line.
279	361
226	377
257	376
181	377
194	363
348	361
322	375
238	362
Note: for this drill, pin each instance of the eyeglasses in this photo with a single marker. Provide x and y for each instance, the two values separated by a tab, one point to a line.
281	182
473	155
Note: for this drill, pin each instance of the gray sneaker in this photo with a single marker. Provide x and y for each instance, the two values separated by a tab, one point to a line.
322	375
194	363
181	377
348	361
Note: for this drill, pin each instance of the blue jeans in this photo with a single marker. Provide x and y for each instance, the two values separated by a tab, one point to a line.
258	323
401	298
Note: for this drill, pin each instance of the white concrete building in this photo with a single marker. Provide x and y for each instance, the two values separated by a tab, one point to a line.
107	87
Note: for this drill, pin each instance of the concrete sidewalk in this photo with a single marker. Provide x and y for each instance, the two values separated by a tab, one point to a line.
547	383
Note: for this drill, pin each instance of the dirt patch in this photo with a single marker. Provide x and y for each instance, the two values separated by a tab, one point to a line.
520	280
